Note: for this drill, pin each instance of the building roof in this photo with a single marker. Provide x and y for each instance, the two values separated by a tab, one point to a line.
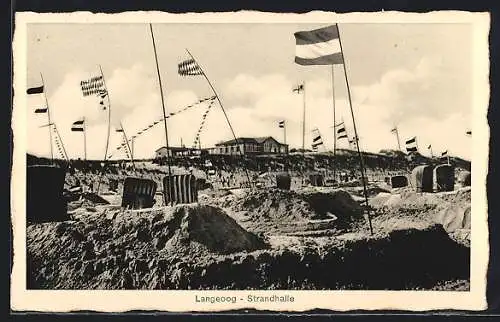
258	140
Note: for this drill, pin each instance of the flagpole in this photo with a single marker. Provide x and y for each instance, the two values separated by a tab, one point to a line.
48	116
432	154
334	129
164	112
128	146
362	166
284	133
223	110
84	140
109	128
303	117
397	137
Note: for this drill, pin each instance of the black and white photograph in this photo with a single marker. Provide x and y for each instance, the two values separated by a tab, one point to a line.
243	157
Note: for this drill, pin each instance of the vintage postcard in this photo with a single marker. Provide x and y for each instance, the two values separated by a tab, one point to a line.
223	161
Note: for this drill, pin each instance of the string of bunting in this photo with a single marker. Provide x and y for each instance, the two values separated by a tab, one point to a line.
124	144
203	118
58	143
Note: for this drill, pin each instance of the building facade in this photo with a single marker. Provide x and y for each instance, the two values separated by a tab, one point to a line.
261	145
178	152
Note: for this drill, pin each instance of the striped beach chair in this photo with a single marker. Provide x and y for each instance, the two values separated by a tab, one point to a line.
138	193
180	189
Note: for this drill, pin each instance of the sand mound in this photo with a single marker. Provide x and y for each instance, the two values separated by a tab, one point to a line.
105	251
281	210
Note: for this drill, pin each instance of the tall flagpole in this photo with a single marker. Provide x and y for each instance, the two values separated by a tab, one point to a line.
334	129
223	110
304	118
432	154
84	140
109	128
397	137
356	138
48	116
164	112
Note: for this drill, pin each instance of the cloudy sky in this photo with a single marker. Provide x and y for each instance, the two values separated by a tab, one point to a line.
417	76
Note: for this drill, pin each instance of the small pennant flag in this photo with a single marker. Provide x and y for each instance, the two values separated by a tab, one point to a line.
299	88
318	47
444	154
120	130
78	126
189	68
394	130
469	133
281	124
93	86
411	144
429	147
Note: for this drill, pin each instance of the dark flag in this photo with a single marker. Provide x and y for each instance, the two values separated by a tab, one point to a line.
444	154
281	123
35	90
318	47
189	68
41	110
78	126
469	133
299	88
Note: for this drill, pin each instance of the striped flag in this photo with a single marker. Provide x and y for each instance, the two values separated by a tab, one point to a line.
281	124
189	68
318	47
411	144
78	126
94	86
341	131
317	140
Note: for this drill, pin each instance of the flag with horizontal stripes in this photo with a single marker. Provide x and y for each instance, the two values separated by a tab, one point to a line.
411	144
341	131
93	86
281	123
189	68
78	126
318	47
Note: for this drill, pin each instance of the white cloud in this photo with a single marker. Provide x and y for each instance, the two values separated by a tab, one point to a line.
421	100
